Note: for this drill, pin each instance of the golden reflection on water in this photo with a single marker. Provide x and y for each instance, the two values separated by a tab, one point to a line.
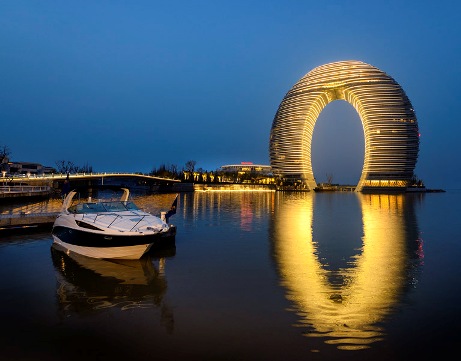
348	315
27	206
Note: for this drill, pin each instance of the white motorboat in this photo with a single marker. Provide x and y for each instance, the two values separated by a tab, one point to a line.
115	229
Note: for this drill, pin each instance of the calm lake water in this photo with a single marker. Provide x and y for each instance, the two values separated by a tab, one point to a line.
252	276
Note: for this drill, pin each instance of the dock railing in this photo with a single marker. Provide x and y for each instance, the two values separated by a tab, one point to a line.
24	189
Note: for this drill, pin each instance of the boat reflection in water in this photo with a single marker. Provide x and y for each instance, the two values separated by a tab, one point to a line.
348	312
87	285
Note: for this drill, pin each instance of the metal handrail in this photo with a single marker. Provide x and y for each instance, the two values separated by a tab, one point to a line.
137	223
59	176
18	189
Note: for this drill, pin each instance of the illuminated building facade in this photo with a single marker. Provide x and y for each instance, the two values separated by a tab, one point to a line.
246	167
389	123
246	172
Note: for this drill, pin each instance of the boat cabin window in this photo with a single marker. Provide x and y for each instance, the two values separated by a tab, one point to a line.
93	208
131	206
114	206
117	206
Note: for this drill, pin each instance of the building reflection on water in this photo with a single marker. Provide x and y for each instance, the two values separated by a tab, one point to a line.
210	204
349	313
87	285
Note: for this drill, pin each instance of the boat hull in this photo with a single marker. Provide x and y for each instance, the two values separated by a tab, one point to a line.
127	252
105	245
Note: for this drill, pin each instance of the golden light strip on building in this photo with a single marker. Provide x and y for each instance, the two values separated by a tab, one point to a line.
388	118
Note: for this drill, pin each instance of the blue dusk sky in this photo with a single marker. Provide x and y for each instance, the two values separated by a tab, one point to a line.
130	85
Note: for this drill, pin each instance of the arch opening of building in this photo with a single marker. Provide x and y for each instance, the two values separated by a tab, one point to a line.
338	145
389	123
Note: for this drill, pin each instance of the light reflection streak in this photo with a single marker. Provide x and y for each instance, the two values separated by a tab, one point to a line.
346	315
210	205
246	214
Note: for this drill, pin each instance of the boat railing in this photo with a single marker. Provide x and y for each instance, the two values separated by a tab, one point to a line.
115	218
110	224
96	215
93	210
140	219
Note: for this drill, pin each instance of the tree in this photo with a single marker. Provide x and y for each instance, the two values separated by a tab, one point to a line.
190	166
66	166
415	181
4	157
4	152
85	169
174	170
166	171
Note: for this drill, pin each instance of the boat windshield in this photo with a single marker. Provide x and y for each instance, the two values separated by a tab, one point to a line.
113	206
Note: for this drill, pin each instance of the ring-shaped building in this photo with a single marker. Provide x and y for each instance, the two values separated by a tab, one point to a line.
389	124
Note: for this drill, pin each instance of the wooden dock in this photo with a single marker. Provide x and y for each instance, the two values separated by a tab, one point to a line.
27	220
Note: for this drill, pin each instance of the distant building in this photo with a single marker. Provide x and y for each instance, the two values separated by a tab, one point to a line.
28	168
246	172
247	167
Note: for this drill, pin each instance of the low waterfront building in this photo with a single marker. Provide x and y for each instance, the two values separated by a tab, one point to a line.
28	168
247	167
246	172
